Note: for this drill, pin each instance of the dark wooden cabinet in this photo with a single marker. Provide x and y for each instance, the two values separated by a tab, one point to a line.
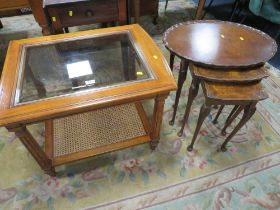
63	14
139	8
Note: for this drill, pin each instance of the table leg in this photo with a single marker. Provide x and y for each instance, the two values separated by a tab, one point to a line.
234	113
198	13
155	19
33	147
215	121
39	15
171	60
157	119
204	111
181	79
249	111
192	94
66	30
234	8
136	9
1	25
123	18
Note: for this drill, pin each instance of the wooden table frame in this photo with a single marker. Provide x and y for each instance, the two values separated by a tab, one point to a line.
39	15
37	10
248	105
16	118
186	59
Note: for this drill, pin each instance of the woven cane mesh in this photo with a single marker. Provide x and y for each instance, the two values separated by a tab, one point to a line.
97	128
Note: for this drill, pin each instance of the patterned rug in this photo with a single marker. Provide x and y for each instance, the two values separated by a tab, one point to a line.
247	176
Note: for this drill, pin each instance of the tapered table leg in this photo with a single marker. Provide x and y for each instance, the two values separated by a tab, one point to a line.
198	13
33	147
157	119
218	114
204	111
193	90
171	60
232	112
39	15
249	111
181	79
231	117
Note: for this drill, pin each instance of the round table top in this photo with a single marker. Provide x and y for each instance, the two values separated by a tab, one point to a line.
219	43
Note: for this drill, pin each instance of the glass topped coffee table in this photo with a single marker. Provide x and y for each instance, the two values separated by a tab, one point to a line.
87	87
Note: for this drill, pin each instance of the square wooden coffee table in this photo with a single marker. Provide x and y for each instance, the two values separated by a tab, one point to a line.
87	87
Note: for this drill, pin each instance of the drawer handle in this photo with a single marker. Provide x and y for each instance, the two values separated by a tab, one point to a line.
89	13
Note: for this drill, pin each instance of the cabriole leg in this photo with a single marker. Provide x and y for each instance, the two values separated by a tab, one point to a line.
204	111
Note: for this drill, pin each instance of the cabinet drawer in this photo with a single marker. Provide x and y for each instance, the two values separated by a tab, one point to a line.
82	13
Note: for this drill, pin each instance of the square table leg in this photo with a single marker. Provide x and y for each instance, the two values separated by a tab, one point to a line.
157	119
33	147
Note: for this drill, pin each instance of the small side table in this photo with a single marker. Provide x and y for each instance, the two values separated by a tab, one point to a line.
63	14
216	44
222	53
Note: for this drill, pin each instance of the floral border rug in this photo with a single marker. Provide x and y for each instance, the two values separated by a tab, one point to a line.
245	177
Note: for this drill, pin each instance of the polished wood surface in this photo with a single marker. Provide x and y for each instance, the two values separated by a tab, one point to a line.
222	92
219	44
227	58
230	49
233	93
39	15
64	14
184	65
245	96
65	105
15	118
15	4
229	75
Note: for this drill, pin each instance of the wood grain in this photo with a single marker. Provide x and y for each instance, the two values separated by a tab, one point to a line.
219	44
229	75
76	103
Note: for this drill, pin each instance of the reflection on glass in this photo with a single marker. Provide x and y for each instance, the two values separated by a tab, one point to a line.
71	66
78	69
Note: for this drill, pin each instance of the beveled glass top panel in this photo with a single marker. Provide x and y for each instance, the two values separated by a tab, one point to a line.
70	66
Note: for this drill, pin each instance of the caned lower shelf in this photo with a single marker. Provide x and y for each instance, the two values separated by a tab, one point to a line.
87	134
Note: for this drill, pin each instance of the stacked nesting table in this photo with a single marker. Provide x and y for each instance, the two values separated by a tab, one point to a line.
227	60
